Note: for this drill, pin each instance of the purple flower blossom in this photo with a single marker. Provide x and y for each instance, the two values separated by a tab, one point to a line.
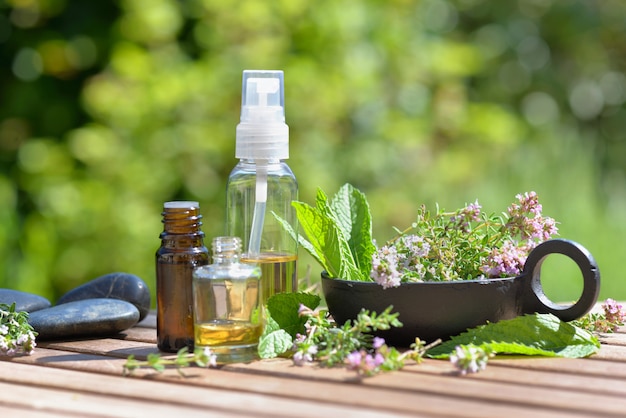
304	355
613	313
463	217
526	220
415	246
507	261
363	362
378	342
384	267
354	359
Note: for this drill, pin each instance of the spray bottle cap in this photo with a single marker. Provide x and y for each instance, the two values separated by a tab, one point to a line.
262	132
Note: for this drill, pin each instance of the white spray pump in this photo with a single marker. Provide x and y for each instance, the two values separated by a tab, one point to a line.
262	182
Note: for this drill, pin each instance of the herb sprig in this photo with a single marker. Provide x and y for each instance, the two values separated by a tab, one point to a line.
352	343
609	320
202	357
17	336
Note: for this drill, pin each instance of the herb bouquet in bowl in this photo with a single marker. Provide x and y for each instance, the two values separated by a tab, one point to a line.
446	272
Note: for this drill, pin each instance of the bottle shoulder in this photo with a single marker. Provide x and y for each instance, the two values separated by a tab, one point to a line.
279	176
228	270
273	168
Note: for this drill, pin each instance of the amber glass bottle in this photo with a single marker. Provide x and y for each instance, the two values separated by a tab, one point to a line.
182	249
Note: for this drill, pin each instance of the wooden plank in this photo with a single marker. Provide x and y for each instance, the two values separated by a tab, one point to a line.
63	403
485	386
134	397
610	365
147	335
616	338
121	349
319	396
111	347
520	386
611	352
516	372
27	412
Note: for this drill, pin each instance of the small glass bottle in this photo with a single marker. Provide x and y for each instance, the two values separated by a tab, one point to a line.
227	304
262	185
182	249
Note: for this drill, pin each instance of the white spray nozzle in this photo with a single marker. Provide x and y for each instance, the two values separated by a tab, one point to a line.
260	94
262	132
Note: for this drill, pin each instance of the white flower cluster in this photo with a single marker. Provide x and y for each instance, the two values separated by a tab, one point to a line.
470	358
16	334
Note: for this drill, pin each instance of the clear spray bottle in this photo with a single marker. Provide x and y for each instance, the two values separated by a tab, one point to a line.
262	184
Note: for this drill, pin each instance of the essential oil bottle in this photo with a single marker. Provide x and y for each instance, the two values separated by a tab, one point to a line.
182	249
262	185
227	304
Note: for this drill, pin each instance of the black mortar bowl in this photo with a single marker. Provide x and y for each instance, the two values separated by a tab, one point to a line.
440	310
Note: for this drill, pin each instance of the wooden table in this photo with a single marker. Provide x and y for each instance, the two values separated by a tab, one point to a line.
83	378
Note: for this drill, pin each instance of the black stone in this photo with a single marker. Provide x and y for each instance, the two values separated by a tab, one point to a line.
84	318
23	301
123	286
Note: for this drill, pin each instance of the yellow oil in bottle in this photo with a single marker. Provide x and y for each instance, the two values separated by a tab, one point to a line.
221	333
278	272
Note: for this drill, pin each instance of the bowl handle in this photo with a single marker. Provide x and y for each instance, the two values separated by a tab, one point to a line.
537	301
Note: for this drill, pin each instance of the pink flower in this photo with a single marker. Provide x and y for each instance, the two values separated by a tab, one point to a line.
354	359
507	261
378	342
363	362
613	313
384	267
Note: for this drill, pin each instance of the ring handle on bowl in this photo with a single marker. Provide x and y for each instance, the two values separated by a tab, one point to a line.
537	301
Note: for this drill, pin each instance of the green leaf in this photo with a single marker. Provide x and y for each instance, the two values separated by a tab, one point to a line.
352	213
338	234
274	341
537	334
283	309
326	243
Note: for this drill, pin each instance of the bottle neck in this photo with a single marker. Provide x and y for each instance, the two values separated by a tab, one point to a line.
270	161
181	221
226	259
226	250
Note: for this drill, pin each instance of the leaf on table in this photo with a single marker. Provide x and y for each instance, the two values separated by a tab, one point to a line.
535	334
274	341
283	309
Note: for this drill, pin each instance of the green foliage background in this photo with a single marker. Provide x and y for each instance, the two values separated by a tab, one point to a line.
110	108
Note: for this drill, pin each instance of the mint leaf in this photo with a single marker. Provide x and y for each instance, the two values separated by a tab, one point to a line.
283	322
352	213
537	334
338	234
283	309
274	341
326	243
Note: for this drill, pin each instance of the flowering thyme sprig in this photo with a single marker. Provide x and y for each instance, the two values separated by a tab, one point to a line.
465	244
17	336
352	344
609	320
381	357
471	358
202	357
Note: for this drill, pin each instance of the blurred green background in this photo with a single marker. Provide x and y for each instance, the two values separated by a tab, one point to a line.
110	108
